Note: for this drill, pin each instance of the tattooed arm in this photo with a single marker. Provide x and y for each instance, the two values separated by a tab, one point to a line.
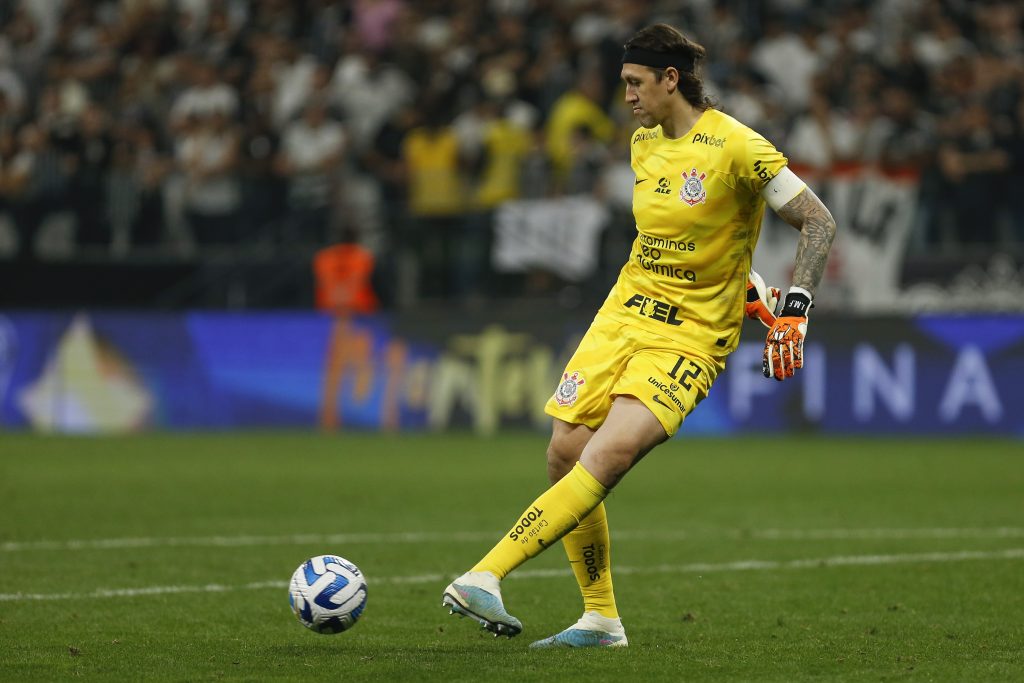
784	346
806	213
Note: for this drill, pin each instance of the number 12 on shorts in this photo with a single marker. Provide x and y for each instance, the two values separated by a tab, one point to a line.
692	373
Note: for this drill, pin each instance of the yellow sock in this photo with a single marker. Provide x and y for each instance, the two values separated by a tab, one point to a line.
589	549
554	514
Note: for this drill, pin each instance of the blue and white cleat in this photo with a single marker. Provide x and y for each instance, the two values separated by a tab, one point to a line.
478	595
592	630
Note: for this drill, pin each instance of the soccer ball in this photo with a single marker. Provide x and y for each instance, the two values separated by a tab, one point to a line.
327	594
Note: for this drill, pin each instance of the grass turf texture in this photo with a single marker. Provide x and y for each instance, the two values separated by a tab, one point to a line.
423	508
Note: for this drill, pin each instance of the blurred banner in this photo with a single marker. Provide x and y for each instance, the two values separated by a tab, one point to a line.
558	235
125	372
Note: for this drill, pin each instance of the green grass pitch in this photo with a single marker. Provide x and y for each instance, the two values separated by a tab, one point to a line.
165	557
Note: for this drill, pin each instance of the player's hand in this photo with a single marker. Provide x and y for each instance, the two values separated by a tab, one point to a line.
762	300
784	347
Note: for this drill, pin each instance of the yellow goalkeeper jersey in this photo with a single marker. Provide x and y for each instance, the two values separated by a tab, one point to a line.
698	210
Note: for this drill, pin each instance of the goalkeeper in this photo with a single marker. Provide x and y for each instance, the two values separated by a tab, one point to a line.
662	335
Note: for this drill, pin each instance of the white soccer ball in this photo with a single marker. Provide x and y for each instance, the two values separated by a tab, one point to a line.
327	594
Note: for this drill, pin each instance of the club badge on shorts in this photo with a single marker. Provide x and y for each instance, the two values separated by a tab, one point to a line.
568	390
692	191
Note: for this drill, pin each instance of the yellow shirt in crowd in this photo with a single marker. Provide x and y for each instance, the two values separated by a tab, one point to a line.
571	111
505	146
432	159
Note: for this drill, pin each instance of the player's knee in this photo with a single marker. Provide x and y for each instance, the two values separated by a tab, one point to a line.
609	462
562	455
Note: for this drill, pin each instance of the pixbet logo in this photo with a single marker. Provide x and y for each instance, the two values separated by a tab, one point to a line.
762	172
709	140
647	135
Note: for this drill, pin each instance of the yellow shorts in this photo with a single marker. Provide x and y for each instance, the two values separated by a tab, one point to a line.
616	359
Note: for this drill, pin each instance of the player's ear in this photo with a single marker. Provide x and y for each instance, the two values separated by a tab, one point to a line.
671	78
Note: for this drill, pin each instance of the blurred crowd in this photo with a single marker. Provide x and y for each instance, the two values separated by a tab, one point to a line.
403	124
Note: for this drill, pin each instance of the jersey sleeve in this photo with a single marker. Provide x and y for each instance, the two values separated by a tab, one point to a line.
759	162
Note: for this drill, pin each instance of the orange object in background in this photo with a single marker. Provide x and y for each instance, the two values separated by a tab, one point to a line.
342	275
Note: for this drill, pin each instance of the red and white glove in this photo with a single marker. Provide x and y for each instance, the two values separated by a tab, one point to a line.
784	347
762	300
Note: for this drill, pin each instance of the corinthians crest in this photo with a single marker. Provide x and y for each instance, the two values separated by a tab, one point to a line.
566	393
693	191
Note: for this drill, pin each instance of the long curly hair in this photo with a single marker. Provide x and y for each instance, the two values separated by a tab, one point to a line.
668	40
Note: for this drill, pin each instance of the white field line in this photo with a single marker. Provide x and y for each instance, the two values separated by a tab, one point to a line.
481	536
694	568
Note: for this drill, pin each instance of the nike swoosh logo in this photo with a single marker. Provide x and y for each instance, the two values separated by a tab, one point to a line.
639	180
657	399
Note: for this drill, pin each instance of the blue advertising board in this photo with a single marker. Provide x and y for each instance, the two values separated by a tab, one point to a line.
119	372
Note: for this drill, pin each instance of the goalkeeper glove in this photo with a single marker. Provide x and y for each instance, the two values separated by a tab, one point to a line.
784	347
761	300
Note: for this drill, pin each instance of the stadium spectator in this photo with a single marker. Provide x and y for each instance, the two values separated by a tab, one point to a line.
92	149
150	168
35	183
396	271
504	144
87	48
821	138
368	91
437	197
901	138
15	170
12	90
221	43
375	20
942	42
905	71
310	157
537	176
788	60
551	73
294	74
972	157
29	37
587	158
745	95
208	96
579	108
496	162
207	154
263	188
